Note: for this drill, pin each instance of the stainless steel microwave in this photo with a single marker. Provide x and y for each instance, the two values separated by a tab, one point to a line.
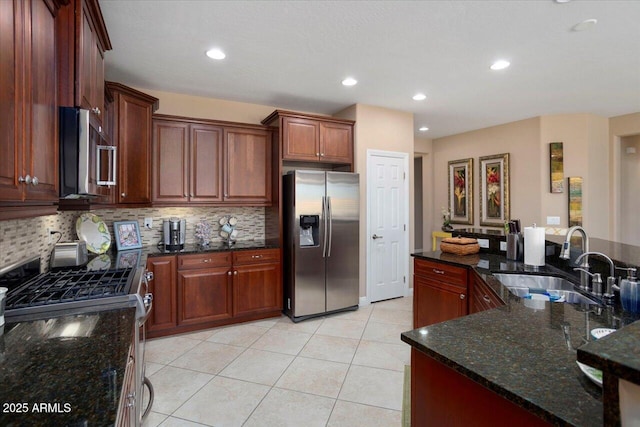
87	161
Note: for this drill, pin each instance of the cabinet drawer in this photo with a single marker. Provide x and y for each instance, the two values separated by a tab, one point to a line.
441	272
483	297
256	256
206	260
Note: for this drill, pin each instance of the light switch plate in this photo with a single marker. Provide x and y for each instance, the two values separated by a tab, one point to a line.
503	246
553	220
483	243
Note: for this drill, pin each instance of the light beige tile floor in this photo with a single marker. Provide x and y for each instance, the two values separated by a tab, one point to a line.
340	370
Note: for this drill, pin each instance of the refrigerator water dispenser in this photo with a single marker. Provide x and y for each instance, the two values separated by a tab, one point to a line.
309	225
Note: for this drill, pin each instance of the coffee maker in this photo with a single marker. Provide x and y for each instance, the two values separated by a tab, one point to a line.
174	233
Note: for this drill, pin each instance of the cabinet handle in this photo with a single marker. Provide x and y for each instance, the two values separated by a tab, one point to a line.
462	296
96	111
256	256
486	298
435	270
20	179
206	260
35	181
149	276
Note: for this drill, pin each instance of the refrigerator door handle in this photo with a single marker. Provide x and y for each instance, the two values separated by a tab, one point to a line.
330	225
324	219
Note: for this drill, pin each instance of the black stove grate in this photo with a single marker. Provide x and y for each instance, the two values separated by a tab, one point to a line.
68	286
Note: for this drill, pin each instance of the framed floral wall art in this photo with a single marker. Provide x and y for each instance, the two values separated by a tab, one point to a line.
494	190
461	191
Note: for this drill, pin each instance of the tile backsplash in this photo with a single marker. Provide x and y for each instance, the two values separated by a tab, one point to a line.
21	238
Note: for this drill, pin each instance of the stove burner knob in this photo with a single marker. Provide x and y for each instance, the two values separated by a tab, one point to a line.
148	275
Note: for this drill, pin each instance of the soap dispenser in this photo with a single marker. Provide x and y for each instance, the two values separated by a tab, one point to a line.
629	292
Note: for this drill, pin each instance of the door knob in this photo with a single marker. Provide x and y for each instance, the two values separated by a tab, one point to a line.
375	237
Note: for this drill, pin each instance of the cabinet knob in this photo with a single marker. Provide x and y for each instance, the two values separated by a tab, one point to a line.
185	194
20	179
317	154
124	194
321	154
27	179
235	273
96	111
206	260
191	194
462	296
35	181
229	273
486	298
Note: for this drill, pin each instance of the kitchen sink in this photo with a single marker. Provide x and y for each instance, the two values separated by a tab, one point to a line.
525	284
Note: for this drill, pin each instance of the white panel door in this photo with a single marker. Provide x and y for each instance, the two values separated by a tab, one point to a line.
388	207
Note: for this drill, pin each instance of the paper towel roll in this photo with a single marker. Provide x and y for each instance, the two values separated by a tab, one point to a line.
534	246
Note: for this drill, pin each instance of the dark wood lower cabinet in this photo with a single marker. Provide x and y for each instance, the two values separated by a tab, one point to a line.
441	396
198	291
204	295
163	287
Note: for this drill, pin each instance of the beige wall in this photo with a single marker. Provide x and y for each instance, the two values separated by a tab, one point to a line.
380	129
209	108
585	154
621	128
521	139
423	147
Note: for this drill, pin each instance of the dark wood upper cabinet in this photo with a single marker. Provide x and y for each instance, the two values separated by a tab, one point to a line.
247	165
131	134
82	42
198	161
311	138
28	107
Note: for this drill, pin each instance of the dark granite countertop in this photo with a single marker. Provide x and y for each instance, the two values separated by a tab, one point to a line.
523	353
70	367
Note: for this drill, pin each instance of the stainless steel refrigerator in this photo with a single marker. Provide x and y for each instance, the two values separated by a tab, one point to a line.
321	235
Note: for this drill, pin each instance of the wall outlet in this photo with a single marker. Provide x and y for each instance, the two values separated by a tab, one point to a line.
503	246
148	223
483	243
553	220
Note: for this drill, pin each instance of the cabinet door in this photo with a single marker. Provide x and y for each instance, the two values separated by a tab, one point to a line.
163	287
247	165
206	164
41	150
435	302
90	66
134	150
256	288
10	109
170	161
204	295
482	297
336	143
300	139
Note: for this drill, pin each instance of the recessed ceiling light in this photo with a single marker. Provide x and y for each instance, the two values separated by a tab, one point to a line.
563	1
500	65
584	25
349	81
216	54
423	129
419	97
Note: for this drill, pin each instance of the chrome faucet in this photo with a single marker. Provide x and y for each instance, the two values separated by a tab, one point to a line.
611	280
566	251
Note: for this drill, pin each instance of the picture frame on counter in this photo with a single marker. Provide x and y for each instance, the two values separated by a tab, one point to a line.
461	191
127	235
494	190
128	259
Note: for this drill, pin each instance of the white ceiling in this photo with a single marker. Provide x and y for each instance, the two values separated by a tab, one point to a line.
294	54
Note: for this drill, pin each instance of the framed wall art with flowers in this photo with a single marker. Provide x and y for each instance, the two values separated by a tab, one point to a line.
461	191
494	190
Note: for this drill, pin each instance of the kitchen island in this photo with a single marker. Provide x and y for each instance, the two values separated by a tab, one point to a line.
65	370
508	365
